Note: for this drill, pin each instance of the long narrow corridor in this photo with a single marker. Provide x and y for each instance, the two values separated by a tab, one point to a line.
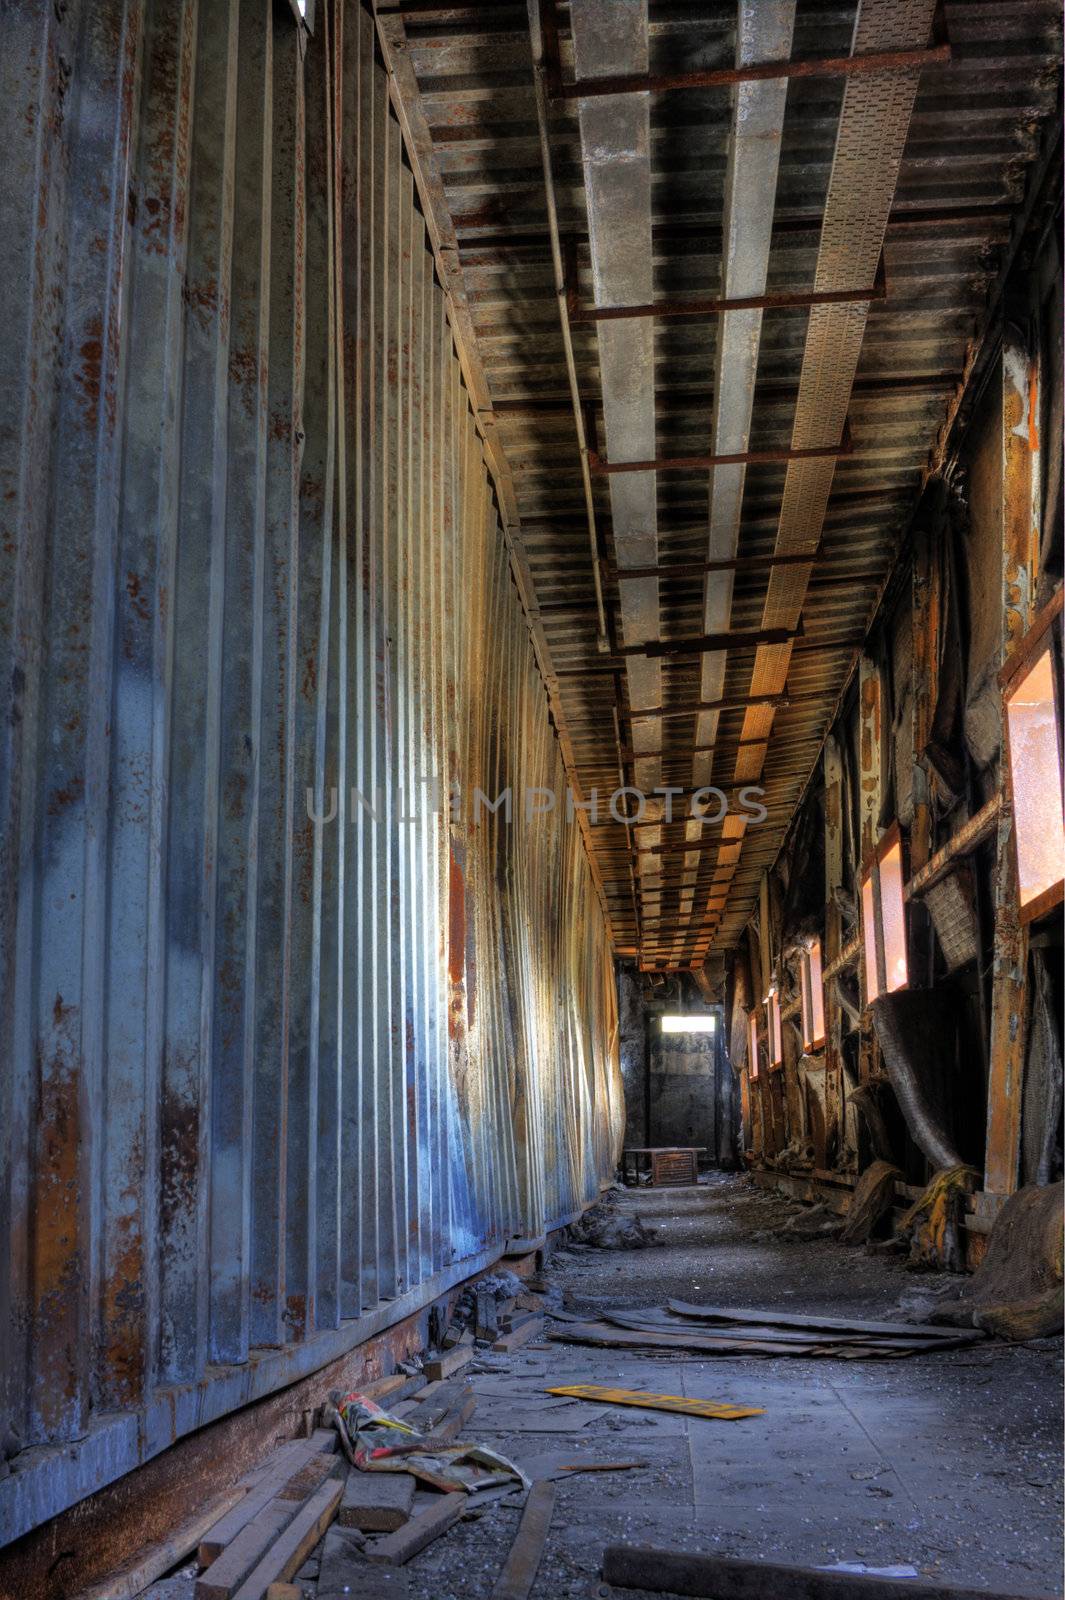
532	585
948	1464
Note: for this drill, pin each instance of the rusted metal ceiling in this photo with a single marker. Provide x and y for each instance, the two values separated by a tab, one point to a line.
930	216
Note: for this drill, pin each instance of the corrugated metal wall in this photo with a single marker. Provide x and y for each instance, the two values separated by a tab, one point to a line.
267	1085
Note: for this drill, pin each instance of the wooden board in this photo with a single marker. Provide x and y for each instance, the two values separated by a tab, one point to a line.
288	1553
386	1392
520	1335
430	1411
227	1572
233	1564
724	1578
376	1502
271	1478
812	1324
719	1410
450	1362
520	1568
406	1542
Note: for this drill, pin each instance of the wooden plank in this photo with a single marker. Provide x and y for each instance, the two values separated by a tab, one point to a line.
720	1410
725	1578
284	1591
288	1553
270	1481
520	1335
420	1531
376	1502
456	1419
425	1416
386	1391
520	1568
451	1361
250	1543
227	1572
808	1323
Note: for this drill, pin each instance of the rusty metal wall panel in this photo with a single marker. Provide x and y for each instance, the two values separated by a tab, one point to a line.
269	1083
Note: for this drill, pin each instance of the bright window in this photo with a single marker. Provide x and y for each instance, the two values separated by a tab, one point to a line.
776	1042
1035	776
813	999
884	919
682	1024
872	987
752	1044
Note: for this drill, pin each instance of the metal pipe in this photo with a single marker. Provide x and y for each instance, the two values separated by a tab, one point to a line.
539	75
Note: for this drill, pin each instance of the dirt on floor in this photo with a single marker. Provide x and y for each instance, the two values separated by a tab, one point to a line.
948	1464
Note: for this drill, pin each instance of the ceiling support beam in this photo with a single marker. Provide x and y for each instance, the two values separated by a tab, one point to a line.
710	306
616	160
853	66
873	125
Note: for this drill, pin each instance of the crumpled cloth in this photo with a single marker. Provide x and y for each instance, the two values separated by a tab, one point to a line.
376	1441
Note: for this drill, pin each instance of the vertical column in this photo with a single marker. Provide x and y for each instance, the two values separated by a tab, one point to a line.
870	790
834	835
1020	551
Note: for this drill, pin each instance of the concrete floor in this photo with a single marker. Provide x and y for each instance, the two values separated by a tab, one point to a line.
949	1463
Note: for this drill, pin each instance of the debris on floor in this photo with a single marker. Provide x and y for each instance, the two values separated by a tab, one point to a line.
1016	1292
932	1225
719	1410
606	1227
687	1327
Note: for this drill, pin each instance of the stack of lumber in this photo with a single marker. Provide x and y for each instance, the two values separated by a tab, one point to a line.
291	1500
722	1331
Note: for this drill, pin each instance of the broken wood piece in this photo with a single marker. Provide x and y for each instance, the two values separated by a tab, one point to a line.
324	1439
486	1317
728	1578
451	1361
718	1410
520	1568
521	1334
358	1578
452	1425
376	1502
428	1414
284	1591
345	1574
420	1531
601	1466
288	1552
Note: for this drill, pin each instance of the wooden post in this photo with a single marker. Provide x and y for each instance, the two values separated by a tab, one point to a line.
1020	554
834	1090
870	788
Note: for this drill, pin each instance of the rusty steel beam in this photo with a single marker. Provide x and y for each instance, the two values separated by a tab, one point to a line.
712	306
758	72
733	458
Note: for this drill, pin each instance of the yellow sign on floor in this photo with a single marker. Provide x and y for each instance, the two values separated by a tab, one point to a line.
721	1410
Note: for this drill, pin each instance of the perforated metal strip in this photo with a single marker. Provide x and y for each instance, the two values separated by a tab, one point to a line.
873	125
